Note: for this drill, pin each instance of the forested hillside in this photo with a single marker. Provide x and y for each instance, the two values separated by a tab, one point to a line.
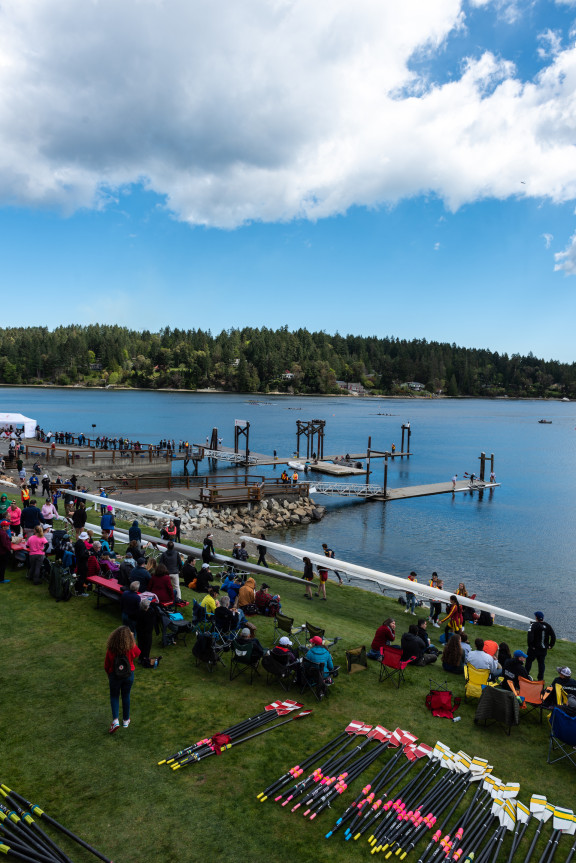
261	360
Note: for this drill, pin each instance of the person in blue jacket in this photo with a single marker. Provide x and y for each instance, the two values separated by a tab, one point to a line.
134	532
320	655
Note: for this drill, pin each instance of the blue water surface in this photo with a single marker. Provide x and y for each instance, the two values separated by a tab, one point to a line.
514	547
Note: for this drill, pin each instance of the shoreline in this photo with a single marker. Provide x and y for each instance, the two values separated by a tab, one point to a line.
279	394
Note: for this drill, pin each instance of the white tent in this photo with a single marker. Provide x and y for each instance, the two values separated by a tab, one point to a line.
19	420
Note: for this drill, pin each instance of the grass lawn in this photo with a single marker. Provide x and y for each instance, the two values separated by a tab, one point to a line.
109	789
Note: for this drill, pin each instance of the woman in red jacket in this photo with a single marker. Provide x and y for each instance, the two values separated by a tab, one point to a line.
161	585
120	643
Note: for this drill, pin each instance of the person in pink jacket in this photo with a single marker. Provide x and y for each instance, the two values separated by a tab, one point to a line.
36	546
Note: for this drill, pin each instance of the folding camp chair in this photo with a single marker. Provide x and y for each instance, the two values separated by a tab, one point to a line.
530	693
392	664
562	736
313	679
356	659
475	679
313	631
284	625
497	705
209	650
201	619
284	673
242	661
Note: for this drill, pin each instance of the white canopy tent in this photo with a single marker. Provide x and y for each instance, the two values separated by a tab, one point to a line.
18	420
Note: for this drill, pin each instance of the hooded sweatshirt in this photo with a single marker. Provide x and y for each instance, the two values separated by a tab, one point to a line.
246	594
4	504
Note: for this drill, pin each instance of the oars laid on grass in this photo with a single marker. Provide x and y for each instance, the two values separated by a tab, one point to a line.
214	750
32	807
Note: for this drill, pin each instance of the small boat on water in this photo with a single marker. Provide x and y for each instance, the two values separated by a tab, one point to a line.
297	465
545	422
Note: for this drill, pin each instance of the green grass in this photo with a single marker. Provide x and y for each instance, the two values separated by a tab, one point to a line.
109	789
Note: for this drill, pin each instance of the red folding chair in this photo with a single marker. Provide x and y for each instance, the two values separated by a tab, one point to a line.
392	664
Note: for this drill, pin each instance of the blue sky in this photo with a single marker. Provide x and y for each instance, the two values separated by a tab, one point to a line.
378	169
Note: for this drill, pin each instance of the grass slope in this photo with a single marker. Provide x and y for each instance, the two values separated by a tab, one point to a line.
109	789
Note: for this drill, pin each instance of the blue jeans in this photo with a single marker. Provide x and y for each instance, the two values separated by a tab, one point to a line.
117	688
411	602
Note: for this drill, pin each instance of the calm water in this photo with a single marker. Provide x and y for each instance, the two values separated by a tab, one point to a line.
516	547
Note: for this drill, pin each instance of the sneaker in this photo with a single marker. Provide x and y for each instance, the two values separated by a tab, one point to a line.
114	727
406	611
125	723
437	625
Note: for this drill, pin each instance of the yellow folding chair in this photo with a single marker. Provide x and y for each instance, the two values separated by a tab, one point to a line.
475	679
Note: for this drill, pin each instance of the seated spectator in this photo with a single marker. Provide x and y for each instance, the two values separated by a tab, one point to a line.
169	531
232	585
384	635
141	574
246	594
514	668
126	568
266	603
161	584
453	655
491	647
565	680
480	659
320	656
92	564
210	601
465	645
226	619
503	653
109	567
129	605
412	645
246	637
108	537
282	653
188	572
422	625
136	550
204	578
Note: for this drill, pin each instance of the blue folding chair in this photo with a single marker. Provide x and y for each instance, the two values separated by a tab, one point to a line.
562	737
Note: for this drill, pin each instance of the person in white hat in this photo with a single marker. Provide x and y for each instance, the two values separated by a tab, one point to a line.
565	680
282	653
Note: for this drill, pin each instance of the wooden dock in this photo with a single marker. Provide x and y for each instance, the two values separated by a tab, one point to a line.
433	488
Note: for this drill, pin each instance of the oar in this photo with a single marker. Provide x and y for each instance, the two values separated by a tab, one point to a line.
300	715
41	814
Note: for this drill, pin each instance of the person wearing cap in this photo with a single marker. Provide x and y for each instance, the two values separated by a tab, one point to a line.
210	601
203	579
266	603
232	584
541	639
282	653
5	550
514	668
208	552
247	636
565	680
320	656
81	555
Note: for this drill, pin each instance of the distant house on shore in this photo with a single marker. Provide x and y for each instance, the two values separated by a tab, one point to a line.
355	388
288	376
415	386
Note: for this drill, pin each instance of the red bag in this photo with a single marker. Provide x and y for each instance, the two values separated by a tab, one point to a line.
440	702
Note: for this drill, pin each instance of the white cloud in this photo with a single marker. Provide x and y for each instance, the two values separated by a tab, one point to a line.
436	246
268	109
550	44
548	240
566	260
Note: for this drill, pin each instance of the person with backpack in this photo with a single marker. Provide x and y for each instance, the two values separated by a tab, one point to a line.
121	651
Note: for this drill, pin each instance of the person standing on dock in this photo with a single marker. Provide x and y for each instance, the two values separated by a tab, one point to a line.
454	478
330	553
541	639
